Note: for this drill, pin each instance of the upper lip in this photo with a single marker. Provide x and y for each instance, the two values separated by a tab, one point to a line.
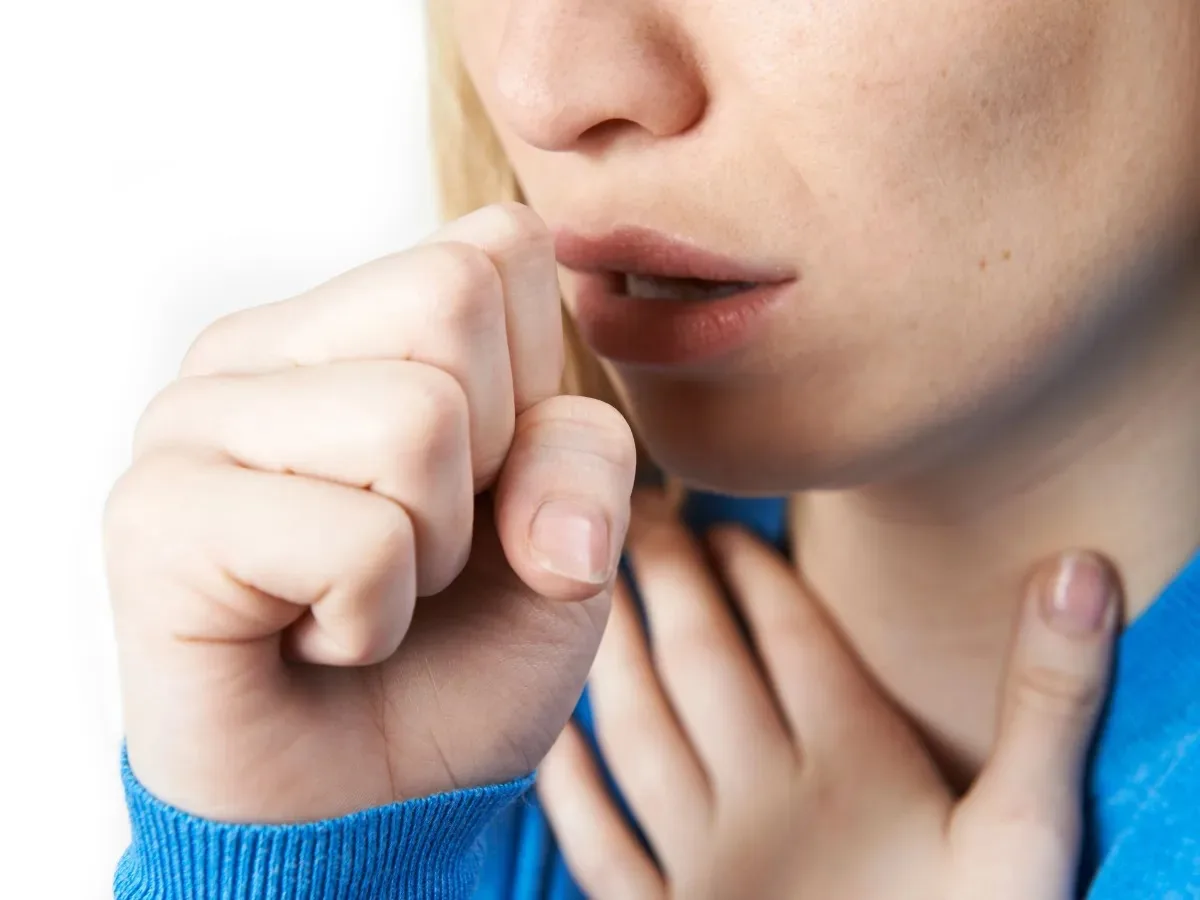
641	251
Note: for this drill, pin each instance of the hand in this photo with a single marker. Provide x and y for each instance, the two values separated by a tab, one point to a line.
364	551
793	777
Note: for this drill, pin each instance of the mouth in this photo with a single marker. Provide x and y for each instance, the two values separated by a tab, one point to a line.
642	297
663	267
660	287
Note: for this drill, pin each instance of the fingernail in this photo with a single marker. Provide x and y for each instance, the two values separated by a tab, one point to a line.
571	539
1079	596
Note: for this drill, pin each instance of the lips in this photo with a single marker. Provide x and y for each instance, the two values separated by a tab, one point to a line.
653	287
643	297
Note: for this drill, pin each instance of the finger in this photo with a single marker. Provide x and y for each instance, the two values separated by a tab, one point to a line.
562	499
440	304
815	677
598	845
704	664
643	743
399	429
1028	795
255	553
522	249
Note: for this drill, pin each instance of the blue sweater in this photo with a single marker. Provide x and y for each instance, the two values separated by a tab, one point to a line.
1143	800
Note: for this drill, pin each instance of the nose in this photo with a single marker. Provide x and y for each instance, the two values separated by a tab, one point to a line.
569	71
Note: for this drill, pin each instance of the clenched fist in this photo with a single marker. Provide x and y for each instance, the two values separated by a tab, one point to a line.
365	549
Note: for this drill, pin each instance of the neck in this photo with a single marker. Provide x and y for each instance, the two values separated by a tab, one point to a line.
925	573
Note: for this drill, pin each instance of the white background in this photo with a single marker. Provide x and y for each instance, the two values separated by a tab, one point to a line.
161	163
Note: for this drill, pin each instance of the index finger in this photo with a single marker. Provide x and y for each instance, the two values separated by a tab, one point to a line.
522	249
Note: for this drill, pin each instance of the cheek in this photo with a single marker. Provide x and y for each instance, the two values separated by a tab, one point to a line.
933	148
893	116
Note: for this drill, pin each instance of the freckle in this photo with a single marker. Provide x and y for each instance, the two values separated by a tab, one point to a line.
1007	255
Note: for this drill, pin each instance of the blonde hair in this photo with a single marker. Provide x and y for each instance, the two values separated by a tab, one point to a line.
473	171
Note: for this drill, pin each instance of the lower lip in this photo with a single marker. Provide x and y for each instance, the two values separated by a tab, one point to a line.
669	332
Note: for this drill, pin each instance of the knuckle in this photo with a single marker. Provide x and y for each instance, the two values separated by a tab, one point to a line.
585	425
1017	818
428	422
466	280
123	511
152	426
387	552
613	431
643	772
821	786
795	635
472	315
137	525
364	643
208	349
600	869
515	224
434	415
692	652
383	589
367	643
133	502
1057	692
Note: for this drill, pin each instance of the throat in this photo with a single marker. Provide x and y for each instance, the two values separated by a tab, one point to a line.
933	635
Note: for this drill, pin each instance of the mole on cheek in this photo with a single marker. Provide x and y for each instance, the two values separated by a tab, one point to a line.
983	261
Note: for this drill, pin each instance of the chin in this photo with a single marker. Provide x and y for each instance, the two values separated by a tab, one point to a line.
745	462
749	445
776	436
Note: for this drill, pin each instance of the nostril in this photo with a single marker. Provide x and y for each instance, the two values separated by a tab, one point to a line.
565	77
604	133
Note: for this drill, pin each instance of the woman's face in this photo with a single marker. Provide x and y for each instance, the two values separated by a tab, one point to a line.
949	189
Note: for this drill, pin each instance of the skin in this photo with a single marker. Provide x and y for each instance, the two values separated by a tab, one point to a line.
365	553
331	583
331	586
785	773
990	355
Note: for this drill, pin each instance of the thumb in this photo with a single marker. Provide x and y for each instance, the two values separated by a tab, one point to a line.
1027	801
562	498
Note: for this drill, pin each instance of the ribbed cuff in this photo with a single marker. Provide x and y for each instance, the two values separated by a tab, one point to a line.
428	847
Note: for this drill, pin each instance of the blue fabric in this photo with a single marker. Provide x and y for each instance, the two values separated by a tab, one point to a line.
1143	800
